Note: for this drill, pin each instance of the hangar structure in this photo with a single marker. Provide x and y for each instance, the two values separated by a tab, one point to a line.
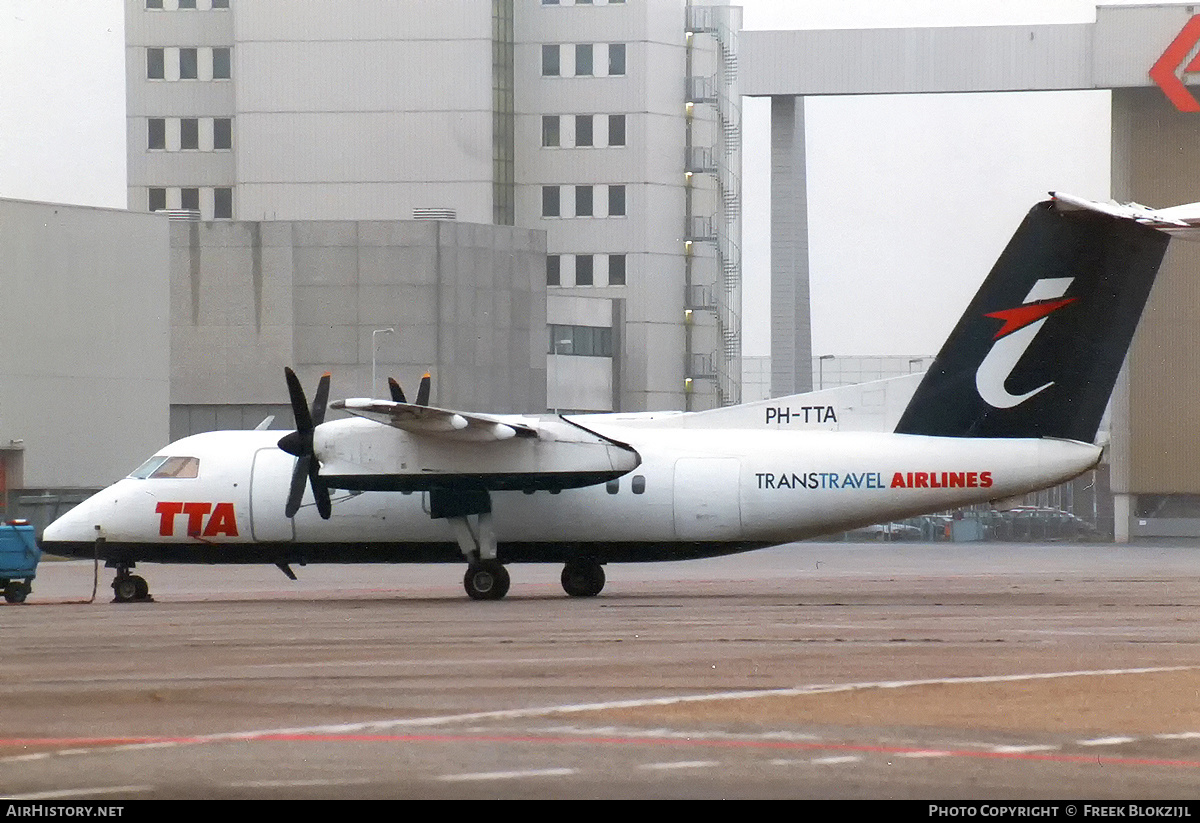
1145	55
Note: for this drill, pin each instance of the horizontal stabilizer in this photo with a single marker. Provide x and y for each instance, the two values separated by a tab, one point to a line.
1178	221
430	420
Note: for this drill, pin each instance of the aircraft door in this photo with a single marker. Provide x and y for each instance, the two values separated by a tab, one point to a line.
707	498
270	480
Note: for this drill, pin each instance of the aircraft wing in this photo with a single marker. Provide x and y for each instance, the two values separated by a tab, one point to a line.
1178	221
435	422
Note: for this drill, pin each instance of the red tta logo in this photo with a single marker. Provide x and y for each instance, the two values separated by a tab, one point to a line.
1166	72
203	519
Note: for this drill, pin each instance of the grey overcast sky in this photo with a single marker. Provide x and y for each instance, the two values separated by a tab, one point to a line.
911	197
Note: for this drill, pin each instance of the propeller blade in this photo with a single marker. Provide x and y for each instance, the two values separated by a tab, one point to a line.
321	401
296	492
299	402
320	494
300	444
397	392
423	391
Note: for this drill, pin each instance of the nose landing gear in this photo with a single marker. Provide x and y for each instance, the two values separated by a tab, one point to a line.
130	588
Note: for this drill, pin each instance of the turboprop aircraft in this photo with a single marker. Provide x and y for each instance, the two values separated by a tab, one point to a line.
1011	404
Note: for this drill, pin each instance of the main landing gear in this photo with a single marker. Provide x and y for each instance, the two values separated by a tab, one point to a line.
486	580
129	588
470	516
469	513
583	577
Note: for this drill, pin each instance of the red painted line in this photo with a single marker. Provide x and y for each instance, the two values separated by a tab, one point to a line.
773	745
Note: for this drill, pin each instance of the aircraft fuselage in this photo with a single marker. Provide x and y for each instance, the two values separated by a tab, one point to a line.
694	494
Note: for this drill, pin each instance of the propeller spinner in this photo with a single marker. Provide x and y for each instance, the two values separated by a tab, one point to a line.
300	444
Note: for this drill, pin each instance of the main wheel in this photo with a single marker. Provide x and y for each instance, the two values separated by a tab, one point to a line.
16	591
486	580
583	578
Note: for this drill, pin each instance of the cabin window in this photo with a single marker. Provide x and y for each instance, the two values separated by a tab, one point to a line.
639	484
613	486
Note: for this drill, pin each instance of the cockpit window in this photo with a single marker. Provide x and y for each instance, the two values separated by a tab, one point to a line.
162	465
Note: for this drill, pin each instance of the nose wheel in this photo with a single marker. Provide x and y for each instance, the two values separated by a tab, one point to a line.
130	588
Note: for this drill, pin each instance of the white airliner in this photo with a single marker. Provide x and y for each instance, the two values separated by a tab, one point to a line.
1011	404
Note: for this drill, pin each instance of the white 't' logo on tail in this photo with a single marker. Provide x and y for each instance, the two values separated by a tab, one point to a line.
1021	325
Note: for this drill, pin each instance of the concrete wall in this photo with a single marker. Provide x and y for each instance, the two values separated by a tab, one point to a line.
1156	155
363	113
84	335
466	301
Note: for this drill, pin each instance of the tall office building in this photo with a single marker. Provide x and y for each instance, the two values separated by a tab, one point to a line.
612	125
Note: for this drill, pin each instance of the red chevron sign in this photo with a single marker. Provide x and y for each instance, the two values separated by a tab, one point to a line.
1165	72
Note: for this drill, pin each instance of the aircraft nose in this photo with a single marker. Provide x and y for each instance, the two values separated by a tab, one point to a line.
76	526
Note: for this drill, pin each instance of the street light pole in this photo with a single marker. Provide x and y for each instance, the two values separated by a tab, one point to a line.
373	350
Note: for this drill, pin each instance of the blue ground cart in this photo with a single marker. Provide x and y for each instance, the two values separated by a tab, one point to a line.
19	556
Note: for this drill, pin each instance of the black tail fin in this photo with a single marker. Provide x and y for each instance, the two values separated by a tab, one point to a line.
1038	350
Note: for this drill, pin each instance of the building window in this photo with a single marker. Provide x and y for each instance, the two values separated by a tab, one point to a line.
583	201
189	199
154	4
155	64
616	270
581	341
189	133
187	4
583	130
224	4
616	59
157	200
584	270
222	133
616	201
550	135
550	204
188	63
553	270
549	2
156	133
223	203
550	61
616	130
583	59
220	59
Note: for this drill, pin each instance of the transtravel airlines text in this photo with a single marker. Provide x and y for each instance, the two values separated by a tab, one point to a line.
874	480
